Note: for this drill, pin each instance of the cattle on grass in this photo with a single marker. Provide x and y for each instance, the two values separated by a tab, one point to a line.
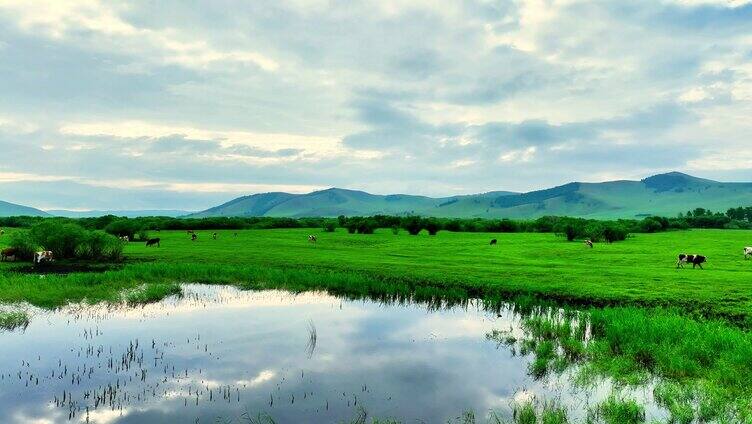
8	253
194	236
747	252
214	236
589	243
694	259
312	238
493	242
152	242
43	257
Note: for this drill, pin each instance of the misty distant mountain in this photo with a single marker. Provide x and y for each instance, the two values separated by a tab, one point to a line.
663	194
12	209
126	213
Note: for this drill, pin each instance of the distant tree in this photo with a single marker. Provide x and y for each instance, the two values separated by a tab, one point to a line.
432	226
413	224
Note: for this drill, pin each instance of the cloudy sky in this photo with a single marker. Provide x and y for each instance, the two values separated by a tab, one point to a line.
154	104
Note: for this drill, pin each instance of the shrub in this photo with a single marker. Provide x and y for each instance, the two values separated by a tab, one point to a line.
432	226
395	229
58	236
99	245
612	233
125	227
329	226
650	225
143	235
367	226
24	245
413	225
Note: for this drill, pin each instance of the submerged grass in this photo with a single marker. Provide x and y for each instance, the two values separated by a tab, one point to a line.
704	365
15	319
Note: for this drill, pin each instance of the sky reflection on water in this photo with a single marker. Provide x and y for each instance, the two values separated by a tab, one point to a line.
220	352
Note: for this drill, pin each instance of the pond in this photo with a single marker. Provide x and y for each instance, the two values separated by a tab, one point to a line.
218	354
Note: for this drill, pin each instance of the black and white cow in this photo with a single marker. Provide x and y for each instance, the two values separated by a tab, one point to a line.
695	260
589	243
312	238
747	252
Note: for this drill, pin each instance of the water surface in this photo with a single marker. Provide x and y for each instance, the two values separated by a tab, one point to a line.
220	354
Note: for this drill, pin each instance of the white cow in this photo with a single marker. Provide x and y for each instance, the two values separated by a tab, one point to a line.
747	252
43	257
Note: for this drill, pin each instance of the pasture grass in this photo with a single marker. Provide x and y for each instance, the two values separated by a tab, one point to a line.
639	271
641	317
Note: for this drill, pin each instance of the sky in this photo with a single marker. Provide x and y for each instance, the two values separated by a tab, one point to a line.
161	105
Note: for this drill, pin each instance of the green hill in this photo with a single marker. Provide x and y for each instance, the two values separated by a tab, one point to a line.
664	194
12	209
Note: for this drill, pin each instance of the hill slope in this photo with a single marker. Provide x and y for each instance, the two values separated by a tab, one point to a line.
663	194
12	209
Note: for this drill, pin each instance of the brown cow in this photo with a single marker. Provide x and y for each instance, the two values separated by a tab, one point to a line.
9	252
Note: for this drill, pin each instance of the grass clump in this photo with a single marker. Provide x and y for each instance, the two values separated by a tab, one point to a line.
617	410
150	293
15	319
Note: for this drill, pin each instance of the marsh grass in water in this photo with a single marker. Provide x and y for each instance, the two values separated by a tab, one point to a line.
704	366
150	293
13	320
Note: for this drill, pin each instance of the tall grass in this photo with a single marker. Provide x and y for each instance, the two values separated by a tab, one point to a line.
14	319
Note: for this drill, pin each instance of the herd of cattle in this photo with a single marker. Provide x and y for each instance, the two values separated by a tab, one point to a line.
47	256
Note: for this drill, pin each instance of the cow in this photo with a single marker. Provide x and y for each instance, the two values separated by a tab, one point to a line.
493	242
8	253
695	260
589	243
44	256
152	242
312	238
235	234
214	236
747	252
194	236
125	238
2	232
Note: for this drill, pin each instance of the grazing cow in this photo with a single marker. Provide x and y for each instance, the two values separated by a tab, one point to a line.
45	256
312	238
214	236
125	238
695	260
234	234
493	242
194	236
2	232
747	252
152	242
7	253
589	243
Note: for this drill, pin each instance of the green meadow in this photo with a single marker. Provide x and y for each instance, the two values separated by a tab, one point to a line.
687	327
638	271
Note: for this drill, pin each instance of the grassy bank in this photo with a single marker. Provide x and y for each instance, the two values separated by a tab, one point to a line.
639	271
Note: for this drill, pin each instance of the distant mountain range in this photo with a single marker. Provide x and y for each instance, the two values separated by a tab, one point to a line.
126	213
663	194
12	209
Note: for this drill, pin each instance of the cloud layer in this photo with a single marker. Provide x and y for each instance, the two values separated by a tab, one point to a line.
157	105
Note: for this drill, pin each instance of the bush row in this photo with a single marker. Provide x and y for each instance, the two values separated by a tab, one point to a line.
66	240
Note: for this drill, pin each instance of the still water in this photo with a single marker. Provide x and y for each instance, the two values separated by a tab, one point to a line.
218	354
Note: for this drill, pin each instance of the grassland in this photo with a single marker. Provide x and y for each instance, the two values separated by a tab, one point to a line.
639	271
689	327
